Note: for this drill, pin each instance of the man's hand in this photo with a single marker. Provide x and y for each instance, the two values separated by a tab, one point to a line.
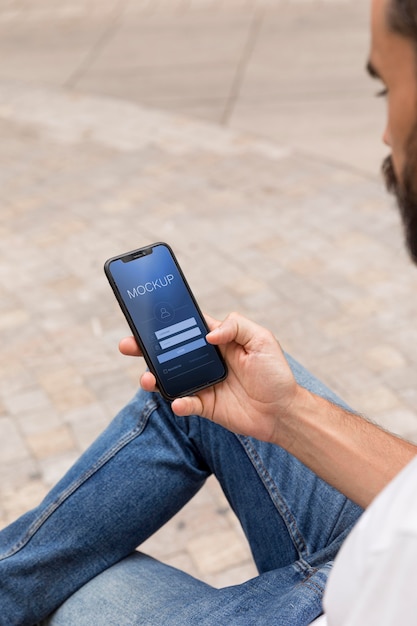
259	388
260	398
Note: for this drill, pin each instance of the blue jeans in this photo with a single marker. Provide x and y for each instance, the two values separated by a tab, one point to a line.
77	549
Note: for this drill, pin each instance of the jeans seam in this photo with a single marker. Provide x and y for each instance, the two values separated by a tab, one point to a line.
149	407
277	499
310	581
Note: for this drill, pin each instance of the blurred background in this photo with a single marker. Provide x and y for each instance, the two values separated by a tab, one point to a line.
244	133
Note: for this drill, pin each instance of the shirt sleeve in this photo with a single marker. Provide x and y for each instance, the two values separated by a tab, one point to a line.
373	579
387	590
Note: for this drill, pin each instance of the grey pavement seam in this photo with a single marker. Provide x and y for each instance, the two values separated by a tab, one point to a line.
254	27
98	45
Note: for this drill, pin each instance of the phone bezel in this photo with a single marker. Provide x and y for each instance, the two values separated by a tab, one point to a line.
130	256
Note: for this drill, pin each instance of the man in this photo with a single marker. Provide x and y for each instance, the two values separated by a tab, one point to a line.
297	471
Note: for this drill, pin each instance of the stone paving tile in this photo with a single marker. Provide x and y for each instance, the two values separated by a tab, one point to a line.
205	540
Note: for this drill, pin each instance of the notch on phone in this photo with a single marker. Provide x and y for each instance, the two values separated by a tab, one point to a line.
137	254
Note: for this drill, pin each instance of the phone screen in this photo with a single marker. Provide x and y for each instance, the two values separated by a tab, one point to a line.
165	319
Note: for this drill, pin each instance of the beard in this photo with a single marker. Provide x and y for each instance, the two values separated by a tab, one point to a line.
405	192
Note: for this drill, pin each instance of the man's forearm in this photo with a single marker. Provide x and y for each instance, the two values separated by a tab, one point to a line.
355	456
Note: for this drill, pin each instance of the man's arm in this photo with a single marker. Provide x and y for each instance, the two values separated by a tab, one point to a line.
352	454
260	398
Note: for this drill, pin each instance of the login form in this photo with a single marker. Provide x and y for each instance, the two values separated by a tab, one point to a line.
167	321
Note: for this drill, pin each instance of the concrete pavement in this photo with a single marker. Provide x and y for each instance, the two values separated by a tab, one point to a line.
244	134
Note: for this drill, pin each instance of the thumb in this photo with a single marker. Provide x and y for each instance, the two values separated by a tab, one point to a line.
235	328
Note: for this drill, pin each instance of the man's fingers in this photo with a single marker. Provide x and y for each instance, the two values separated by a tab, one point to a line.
187	406
234	328
148	382
129	347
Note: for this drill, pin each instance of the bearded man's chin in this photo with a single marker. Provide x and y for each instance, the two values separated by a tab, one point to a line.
389	175
406	197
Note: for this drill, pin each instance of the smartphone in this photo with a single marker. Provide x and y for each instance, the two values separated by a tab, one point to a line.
165	320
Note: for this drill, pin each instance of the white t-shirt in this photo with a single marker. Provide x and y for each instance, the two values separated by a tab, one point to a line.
373	581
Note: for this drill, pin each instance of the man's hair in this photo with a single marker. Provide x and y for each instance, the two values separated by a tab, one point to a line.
402	18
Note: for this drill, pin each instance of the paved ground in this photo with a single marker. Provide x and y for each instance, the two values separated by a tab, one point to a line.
244	134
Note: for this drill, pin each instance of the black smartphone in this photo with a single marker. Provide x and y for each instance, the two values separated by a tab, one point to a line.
165	320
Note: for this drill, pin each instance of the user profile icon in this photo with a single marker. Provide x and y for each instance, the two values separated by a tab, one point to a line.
164	312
